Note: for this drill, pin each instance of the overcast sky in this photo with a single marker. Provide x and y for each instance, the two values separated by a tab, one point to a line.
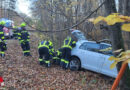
23	6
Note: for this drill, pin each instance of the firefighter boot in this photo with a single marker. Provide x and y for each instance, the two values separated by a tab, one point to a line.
28	54
47	63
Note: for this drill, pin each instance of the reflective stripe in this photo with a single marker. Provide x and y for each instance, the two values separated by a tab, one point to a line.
55	58
62	60
43	45
52	49
26	51
24	31
28	40
19	33
1	32
47	61
2	52
66	62
3	37
67	46
58	52
50	43
73	42
68	42
19	37
21	41
40	59
50	53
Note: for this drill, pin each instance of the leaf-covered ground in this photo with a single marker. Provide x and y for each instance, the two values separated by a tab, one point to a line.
24	73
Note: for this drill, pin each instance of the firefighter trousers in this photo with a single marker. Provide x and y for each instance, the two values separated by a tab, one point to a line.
15	35
2	48
65	58
44	56
26	48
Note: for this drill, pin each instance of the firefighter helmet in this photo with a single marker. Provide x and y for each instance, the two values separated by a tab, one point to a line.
2	23
23	24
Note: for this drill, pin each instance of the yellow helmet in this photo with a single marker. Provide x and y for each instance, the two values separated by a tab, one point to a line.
14	26
23	24
2	23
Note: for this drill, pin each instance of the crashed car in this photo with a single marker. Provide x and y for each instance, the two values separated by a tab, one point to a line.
8	33
91	56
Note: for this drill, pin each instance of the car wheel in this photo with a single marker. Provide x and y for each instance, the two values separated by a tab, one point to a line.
74	64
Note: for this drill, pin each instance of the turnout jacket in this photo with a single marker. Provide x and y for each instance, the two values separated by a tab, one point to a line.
2	37
23	35
69	43
58	54
15	31
47	44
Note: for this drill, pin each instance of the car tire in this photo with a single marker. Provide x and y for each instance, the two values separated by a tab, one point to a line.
75	64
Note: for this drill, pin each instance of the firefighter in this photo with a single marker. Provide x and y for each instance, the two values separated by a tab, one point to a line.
2	39
15	32
45	49
24	39
66	52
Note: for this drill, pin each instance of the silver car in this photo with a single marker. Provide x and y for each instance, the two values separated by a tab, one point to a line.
89	55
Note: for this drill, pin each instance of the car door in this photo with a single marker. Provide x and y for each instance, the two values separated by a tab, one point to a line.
105	67
92	59
82	53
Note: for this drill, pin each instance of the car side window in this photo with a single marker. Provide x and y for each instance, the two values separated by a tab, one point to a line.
83	46
103	46
93	47
90	46
107	47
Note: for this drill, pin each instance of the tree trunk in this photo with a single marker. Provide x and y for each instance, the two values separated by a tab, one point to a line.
117	42
124	8
51	25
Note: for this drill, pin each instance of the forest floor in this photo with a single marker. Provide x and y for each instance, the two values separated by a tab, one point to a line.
24	73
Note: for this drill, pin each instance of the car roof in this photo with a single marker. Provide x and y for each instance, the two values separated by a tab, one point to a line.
82	41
